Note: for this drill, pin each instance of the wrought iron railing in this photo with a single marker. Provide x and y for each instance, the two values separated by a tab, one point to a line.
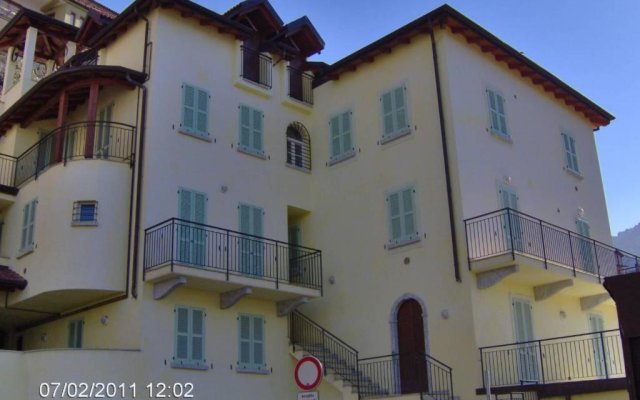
180	242
508	231
103	140
7	170
588	356
372	377
256	67
88	57
398	374
300	85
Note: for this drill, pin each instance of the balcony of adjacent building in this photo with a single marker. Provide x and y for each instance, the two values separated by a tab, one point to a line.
561	366
515	247
179	252
33	46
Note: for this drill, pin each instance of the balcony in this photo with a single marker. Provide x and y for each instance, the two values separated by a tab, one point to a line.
507	237
256	67
223	260
300	85
101	140
563	365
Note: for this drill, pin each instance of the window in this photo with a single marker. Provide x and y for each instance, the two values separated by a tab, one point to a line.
497	114
256	66
189	338
28	225
402	217
251	131
251	343
75	334
341	141
394	109
570	153
192	207
298	146
85	213
195	111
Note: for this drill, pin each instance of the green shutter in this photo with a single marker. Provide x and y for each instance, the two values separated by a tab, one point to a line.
257	130
182	334
258	343
186	208
387	113
570	152
395	217
188	107
200	202
245	218
202	112
244	342
346	132
336	144
400	109
501	115
32	222
407	209
26	212
245	126
197	336
497	112
583	227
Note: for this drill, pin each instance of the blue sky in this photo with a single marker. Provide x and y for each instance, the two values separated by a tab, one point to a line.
591	45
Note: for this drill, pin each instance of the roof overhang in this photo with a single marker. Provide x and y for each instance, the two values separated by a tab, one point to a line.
53	34
445	17
11	280
187	9
258	15
42	99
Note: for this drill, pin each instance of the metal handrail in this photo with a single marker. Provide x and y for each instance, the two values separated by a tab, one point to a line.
508	231
181	242
587	356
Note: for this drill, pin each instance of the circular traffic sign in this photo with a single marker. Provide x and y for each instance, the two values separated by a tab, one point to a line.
308	373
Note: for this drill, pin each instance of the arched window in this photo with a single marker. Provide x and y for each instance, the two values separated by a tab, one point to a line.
298	146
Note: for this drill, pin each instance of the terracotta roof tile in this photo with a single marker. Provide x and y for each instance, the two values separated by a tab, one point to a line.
9	279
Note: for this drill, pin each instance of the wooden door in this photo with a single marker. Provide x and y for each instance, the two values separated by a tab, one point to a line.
412	363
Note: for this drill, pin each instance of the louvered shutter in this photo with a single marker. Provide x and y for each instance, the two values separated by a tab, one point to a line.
182	334
336	144
346	132
32	222
387	113
197	336
400	109
202	112
244	342
245	126
188	107
395	217
26	212
408	213
257	130
258	343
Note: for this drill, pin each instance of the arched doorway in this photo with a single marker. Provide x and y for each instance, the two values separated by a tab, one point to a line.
411	347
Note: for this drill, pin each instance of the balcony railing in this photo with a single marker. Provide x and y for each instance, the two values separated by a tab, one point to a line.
256	67
589	356
111	141
372	377
508	231
176	241
300	85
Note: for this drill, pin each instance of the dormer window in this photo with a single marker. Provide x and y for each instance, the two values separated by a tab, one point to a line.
256	66
300	85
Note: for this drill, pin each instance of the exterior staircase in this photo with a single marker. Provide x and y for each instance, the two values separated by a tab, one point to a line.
360	378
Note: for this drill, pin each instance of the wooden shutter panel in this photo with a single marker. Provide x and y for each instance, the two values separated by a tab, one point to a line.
32	220
188	107
186	208
395	219
407	208
387	113
346	132
258	343
197	336
202	112
257	130
493	110
502	128
182	334
336	144
257	221
244	341
25	224
245	219
199	207
245	126
400	109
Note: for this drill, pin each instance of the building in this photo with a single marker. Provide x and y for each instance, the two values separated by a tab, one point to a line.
406	214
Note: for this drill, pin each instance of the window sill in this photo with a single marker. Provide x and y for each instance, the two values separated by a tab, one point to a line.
342	157
180	365
393	136
297	104
573	173
253	87
25	251
251	152
84	223
195	135
301	169
501	136
253	371
401	243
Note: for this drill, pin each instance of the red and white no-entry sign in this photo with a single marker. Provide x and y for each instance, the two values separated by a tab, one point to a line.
308	373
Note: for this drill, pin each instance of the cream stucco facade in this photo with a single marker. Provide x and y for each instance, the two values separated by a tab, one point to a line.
164	233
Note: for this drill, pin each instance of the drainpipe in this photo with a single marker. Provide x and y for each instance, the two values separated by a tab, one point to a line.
445	153
139	161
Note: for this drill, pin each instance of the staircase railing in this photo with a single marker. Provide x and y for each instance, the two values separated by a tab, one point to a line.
393	374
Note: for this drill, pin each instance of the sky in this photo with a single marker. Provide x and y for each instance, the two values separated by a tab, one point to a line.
592	45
